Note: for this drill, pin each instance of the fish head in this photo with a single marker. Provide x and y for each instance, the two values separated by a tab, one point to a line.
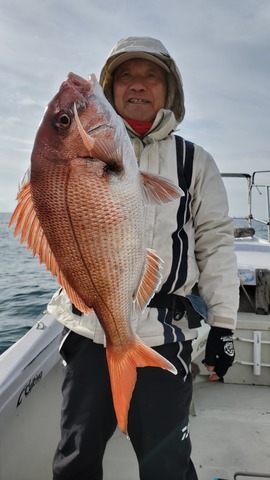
79	123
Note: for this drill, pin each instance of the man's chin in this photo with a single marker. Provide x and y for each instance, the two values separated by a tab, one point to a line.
139	114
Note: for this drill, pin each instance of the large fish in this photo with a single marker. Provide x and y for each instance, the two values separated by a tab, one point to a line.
83	213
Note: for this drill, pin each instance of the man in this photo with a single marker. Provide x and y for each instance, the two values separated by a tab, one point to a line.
194	237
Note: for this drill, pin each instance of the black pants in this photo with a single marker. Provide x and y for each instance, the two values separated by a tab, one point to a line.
157	423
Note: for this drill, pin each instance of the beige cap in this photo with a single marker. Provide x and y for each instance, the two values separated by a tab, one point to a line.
124	57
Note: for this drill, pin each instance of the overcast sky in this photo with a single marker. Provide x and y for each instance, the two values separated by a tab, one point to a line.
222	48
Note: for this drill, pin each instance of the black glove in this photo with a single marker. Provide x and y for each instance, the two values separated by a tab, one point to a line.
219	351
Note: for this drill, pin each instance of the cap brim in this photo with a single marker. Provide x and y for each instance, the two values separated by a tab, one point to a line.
123	57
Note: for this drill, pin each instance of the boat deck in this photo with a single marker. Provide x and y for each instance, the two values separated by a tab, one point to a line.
230	433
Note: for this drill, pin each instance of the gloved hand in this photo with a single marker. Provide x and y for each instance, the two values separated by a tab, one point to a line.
219	352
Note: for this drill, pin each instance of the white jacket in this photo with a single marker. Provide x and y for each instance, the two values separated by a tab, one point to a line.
193	236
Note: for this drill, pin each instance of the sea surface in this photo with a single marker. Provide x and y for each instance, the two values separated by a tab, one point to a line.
26	286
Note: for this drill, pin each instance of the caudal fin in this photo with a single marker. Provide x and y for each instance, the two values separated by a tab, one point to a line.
122	368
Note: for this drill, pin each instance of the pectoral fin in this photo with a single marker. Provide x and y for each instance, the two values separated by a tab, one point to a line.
158	190
105	150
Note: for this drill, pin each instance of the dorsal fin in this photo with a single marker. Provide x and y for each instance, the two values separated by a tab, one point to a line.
150	281
27	223
158	190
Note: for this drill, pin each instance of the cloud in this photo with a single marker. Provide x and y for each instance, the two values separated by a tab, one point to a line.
221	48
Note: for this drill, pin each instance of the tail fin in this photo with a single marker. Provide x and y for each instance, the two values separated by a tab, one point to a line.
122	368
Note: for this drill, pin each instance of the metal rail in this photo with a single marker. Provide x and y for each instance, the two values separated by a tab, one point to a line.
257	343
259	186
251	474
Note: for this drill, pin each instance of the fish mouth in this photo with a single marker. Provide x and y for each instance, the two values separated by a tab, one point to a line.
81	85
73	89
81	90
78	89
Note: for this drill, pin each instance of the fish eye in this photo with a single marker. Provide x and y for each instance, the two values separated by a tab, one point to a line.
63	120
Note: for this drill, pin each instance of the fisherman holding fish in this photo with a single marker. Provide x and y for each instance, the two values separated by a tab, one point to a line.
107	198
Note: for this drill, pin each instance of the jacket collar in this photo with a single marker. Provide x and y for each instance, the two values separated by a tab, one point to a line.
164	124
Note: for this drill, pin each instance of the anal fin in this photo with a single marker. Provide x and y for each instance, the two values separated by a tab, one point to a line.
150	281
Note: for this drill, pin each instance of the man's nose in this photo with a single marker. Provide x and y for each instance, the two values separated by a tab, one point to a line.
137	83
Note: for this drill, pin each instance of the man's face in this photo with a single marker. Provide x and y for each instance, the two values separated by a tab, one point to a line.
139	89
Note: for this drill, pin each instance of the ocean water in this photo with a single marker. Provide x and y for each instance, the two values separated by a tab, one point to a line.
26	286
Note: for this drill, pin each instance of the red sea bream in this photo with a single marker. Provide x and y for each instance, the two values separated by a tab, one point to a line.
83	213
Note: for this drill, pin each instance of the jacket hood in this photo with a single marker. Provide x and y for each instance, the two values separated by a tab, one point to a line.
149	49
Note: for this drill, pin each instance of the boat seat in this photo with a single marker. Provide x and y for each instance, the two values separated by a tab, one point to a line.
244	232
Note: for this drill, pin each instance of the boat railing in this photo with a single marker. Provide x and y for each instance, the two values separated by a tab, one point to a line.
263	188
251	475
266	192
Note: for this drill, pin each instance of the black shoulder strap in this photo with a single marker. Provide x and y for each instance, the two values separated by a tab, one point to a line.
185	154
163	299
